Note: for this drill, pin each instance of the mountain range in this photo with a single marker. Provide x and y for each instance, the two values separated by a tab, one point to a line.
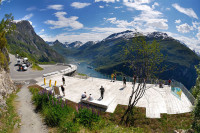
106	56
26	42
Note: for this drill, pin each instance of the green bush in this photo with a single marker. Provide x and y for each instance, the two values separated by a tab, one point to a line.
41	99
37	67
57	111
69	127
86	117
53	109
196	116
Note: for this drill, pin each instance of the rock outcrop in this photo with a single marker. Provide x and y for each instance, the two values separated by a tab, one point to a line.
26	42
6	84
6	87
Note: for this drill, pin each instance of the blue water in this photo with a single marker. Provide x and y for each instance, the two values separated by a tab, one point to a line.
82	67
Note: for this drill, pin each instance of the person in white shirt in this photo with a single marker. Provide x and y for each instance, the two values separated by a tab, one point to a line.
90	98
83	95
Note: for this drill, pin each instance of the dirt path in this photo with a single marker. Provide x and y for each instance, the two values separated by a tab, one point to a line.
31	122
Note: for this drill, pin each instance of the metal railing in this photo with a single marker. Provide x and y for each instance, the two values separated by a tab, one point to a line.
174	83
129	79
184	89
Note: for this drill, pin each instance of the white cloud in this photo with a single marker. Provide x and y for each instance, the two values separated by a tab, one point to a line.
158	23
198	36
83	37
95	34
187	11
184	28
79	5
101	6
41	32
191	42
141	1
154	5
168	9
31	8
64	22
27	17
178	21
137	6
195	24
1	2
151	19
148	18
107	1
55	7
117	7
121	23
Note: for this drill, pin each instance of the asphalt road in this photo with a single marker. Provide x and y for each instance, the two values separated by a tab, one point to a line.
30	74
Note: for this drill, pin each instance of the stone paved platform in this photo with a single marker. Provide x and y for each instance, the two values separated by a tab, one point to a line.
156	100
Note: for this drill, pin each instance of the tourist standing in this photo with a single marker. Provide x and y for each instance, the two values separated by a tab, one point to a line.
63	90
169	82
134	79
102	92
112	75
63	80
115	76
156	82
124	81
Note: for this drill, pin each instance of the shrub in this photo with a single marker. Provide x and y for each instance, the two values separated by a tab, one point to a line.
53	109
69	127
37	67
86	117
196	116
41	99
57	111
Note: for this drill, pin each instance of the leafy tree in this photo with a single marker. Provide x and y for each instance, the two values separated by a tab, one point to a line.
196	89
5	28
144	59
196	115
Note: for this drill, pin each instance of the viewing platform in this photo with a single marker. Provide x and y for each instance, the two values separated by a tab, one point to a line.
156	100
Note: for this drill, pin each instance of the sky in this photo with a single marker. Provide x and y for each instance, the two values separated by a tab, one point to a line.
94	20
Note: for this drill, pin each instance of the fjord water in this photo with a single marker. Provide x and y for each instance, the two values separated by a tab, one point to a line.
82	67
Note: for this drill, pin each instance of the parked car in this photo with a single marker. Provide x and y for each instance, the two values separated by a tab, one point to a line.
23	67
18	62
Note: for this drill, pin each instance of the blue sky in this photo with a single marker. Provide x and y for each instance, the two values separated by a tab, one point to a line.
92	20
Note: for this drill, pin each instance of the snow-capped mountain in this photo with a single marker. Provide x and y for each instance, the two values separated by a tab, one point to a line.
156	35
125	34
130	34
75	44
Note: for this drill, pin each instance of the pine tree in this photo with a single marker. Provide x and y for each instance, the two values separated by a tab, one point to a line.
196	116
6	27
196	89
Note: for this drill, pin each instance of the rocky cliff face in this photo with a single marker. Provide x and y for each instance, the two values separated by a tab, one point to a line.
25	41
6	84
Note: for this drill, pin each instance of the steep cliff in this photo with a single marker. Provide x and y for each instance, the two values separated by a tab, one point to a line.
26	42
6	84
